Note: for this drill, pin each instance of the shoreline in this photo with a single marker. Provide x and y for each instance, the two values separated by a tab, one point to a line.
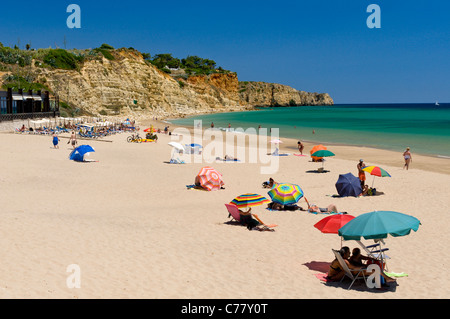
426	162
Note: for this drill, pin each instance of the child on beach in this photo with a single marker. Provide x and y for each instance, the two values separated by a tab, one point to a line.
55	140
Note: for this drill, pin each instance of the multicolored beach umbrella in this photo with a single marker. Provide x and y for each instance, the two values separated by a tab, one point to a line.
376	171
209	178
286	193
249	200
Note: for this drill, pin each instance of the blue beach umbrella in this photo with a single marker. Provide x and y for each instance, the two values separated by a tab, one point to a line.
78	153
378	225
195	145
348	185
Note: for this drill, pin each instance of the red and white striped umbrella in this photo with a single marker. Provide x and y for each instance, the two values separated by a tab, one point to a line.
210	179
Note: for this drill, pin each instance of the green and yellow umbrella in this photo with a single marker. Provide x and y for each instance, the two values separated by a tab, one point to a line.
249	200
376	171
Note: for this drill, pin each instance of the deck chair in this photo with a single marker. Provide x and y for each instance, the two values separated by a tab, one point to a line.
375	251
348	273
233	212
265	226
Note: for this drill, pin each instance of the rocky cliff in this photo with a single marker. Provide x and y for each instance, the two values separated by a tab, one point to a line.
271	94
130	86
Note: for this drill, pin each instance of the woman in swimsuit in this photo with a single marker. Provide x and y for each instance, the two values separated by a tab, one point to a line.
407	157
336	272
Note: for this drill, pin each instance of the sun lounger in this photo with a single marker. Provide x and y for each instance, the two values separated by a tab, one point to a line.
233	212
348	273
375	251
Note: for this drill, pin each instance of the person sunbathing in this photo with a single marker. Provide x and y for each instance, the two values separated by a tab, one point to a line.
313	208
336	272
248	220
278	206
269	184
356	259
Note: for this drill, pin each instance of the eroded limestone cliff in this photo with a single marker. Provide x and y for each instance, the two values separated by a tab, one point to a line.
130	86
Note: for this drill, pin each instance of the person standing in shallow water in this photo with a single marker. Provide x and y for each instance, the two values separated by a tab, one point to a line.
407	157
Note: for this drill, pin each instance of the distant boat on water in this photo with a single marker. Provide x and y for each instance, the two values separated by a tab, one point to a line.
436	103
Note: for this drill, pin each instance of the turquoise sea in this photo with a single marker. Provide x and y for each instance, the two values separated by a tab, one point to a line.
425	128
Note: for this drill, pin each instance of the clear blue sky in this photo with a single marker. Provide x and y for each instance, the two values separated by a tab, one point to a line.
318	46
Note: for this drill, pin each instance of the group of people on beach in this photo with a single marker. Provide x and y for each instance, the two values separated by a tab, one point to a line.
72	139
354	262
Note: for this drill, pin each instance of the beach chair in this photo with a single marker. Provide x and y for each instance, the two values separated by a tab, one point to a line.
348	273
375	251
233	212
265	226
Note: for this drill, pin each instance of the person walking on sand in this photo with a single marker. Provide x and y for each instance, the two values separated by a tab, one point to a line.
73	139
407	157
300	147
55	140
361	173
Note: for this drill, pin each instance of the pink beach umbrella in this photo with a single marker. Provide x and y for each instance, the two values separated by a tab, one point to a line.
209	178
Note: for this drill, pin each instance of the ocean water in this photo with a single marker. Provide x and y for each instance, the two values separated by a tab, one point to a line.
425	128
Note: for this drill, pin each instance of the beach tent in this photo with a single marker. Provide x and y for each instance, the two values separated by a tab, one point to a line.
348	185
79	153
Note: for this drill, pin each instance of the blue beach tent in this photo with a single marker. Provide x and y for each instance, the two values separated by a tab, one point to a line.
348	185
78	153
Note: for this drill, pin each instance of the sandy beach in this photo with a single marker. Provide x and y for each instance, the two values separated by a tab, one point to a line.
135	230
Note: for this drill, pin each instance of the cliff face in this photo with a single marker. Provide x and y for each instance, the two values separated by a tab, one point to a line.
129	86
271	94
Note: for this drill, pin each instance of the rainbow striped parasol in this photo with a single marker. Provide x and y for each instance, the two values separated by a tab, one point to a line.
286	193
376	171
209	178
249	200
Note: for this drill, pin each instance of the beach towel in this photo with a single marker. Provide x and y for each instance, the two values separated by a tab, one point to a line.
299	155
323	277
281	154
395	274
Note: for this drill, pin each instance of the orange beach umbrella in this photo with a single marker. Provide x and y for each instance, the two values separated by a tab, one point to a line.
315	149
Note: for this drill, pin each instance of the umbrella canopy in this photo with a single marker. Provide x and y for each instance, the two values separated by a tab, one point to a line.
379	224
209	178
376	171
323	153
286	193
176	146
332	224
78	153
348	185
194	145
276	141
249	200
315	149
